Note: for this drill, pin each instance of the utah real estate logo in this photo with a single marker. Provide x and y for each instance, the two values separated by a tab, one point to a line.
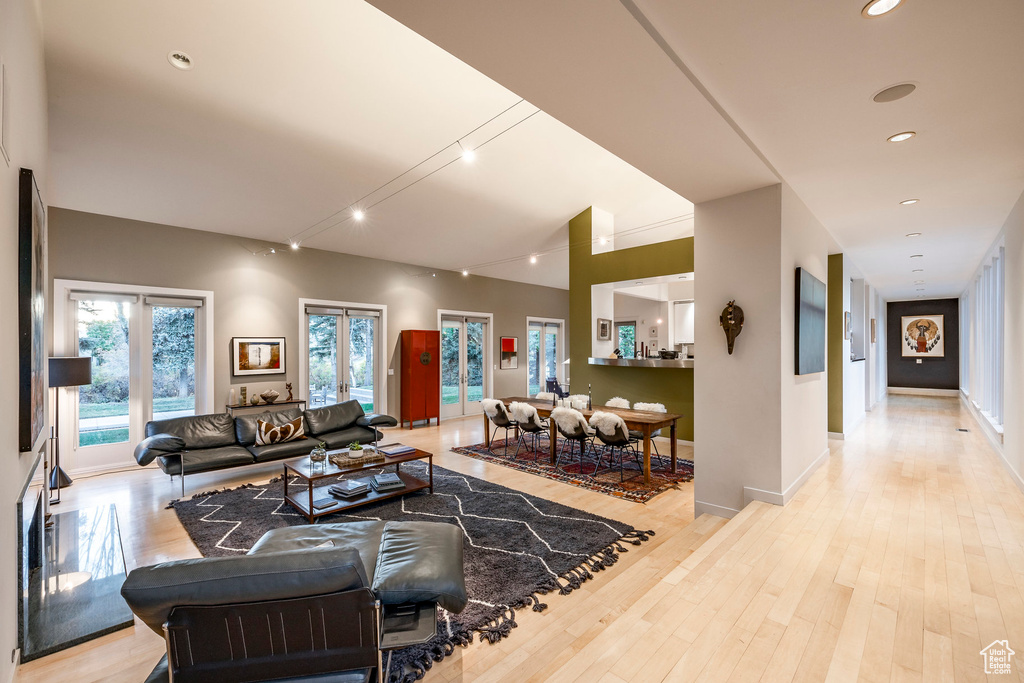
997	657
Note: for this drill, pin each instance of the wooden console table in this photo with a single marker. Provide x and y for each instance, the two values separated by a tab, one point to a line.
232	407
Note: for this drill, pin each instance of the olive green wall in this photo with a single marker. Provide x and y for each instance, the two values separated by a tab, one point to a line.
834	327
673	387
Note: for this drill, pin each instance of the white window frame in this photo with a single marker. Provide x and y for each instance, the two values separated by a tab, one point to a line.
65	342
561	348
381	378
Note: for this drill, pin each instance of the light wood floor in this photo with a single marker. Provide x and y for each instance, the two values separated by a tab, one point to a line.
898	560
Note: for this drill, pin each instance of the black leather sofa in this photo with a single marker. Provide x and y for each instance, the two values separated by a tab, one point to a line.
201	443
310	602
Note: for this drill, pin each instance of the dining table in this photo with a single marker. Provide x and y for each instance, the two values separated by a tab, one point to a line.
643	421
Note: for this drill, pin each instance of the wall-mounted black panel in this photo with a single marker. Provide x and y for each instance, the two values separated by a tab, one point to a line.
930	373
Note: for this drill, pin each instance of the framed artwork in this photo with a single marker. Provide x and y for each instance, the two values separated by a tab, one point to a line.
31	310
509	353
257	356
872	330
847	325
604	329
653	331
923	336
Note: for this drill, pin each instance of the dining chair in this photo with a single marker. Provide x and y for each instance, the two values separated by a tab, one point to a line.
651	408
571	424
611	431
499	417
525	415
545	396
617	402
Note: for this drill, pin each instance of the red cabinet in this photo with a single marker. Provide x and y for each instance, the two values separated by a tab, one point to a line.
421	376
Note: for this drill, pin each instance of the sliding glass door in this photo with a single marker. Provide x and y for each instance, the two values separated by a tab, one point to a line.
464	359
342	356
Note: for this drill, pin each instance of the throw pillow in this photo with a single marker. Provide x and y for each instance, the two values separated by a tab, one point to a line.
268	433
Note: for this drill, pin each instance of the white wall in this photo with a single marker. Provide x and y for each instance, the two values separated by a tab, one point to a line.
805	244
21	46
737	414
646	313
602	305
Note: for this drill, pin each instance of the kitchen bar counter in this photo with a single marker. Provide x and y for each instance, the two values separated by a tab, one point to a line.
643	362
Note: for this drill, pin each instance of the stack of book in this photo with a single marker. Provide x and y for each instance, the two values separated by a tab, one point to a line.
349	488
388	481
394	449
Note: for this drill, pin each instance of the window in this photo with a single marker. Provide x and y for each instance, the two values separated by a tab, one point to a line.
625	338
981	351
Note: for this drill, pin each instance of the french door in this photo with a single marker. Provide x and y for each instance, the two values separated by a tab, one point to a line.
464	361
544	353
343	356
149	362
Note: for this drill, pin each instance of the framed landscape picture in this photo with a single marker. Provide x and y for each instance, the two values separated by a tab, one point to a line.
923	336
257	356
31	310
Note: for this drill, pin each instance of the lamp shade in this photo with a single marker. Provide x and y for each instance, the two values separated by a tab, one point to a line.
70	371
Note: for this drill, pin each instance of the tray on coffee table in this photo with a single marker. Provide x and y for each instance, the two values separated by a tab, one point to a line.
315	478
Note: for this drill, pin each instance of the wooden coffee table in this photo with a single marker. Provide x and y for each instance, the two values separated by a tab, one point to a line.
315	478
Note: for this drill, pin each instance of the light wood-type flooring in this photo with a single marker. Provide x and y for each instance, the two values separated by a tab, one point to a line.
898	560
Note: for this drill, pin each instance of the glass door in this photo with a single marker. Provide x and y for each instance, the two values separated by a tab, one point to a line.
104	407
342	356
544	351
464	358
144	355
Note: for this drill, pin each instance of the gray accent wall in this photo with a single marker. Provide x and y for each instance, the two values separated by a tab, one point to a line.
259	295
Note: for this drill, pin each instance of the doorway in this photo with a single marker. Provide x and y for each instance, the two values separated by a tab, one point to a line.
151	360
465	362
342	356
545	351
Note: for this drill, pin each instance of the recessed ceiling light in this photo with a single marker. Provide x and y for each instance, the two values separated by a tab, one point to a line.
913	234
358	214
920	289
465	272
918	282
533	258
640	282
893	93
908	202
877	8
917	256
917	270
433	275
179	60
295	246
468	154
901	137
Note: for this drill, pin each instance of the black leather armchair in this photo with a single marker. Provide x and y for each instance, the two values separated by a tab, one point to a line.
305	602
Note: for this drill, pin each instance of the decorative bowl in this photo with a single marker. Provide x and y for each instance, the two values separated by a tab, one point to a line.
269	395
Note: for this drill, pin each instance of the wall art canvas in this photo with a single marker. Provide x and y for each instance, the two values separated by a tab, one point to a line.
604	329
31	310
923	336
257	356
509	353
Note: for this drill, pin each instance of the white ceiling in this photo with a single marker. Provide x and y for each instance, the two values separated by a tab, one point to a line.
294	111
716	98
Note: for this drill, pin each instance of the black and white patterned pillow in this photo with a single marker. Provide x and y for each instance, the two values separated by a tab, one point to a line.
268	433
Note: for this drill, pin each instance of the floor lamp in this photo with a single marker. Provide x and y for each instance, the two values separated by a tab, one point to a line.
65	371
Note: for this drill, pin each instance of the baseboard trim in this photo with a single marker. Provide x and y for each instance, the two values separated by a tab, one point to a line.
700	508
776	498
837	435
910	391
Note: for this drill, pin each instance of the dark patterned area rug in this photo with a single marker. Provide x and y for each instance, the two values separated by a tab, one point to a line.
517	547
606	481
